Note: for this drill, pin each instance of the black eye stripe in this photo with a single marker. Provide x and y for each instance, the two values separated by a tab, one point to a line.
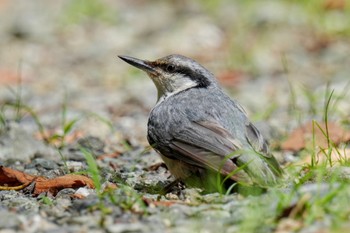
195	76
200	79
176	69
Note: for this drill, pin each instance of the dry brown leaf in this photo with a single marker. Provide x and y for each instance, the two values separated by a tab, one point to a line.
8	77
49	135
10	178
334	4
317	43
111	155
231	78
61	182
13	177
303	136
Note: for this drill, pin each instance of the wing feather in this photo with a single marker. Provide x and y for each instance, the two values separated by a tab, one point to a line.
208	145
257	141
206	159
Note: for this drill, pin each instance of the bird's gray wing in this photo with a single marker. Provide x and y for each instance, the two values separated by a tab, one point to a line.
256	140
208	145
269	168
266	169
253	136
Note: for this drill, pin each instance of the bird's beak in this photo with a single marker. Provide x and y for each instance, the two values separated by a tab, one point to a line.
141	64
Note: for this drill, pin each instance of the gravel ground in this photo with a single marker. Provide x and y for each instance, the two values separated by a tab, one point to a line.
59	62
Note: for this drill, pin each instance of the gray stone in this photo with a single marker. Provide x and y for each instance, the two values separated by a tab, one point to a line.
93	144
341	171
127	228
43	163
18	145
20	204
9	220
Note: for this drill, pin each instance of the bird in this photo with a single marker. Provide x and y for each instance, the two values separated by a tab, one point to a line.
200	132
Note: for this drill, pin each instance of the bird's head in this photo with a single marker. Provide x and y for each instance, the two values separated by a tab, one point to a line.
174	73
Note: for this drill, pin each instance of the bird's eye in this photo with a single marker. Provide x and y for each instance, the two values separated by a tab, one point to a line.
170	68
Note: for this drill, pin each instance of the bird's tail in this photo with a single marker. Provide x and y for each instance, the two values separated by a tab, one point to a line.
264	170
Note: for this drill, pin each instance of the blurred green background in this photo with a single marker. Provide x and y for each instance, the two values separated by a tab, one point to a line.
260	50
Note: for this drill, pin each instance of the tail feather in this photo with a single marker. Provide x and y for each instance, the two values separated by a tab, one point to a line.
264	171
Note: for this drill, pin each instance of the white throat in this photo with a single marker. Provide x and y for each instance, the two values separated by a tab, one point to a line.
172	88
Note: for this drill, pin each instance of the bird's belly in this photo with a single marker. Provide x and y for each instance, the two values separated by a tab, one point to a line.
178	168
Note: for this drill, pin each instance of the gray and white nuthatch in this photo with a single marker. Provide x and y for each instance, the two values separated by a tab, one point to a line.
199	131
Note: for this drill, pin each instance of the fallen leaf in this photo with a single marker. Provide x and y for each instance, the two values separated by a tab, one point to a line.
318	43
111	155
61	182
334	4
8	77
54	137
231	78
303	136
12	179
